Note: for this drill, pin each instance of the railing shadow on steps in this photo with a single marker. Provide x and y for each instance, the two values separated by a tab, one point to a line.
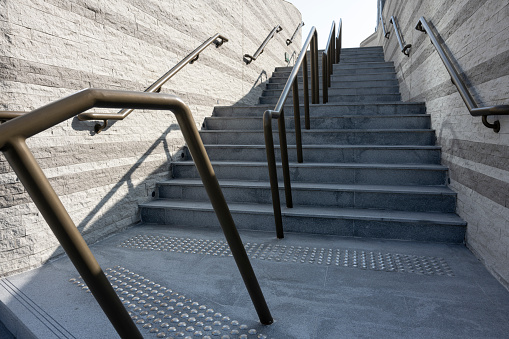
250	58
278	113
469	101
404	47
13	135
217	39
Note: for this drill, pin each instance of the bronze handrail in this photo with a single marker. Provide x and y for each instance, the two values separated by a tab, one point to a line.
289	41
472	106
13	135
8	115
339	41
278	113
217	39
404	49
386	34
248	58
328	59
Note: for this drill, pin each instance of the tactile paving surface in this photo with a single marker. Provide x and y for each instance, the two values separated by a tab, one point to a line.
163	313
355	258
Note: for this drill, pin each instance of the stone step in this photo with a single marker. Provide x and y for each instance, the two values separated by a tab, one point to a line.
401	198
352	84
330	109
326	137
337	91
350	222
279	78
417	121
345	98
344	65
338	173
329	153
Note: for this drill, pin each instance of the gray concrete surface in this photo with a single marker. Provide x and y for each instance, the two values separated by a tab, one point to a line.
316	287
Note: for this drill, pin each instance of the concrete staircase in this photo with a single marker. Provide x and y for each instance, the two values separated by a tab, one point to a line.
370	169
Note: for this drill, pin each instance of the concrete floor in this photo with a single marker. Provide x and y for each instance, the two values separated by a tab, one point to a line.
315	286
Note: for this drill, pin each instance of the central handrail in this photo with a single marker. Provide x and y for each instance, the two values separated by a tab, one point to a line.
405	48
13	135
328	59
8	115
289	41
248	58
278	113
469	101
217	39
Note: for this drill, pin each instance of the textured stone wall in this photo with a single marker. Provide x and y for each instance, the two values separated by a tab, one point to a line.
475	33
53	48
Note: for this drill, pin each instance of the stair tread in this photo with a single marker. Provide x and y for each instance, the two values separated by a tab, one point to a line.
319	186
326	212
326	146
323	164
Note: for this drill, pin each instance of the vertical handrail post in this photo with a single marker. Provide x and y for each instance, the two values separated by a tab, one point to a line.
209	179
339	41
38	187
284	159
296	115
325	87
271	163
307	122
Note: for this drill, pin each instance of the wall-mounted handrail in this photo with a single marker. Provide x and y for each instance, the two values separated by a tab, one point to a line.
471	104
248	58
289	41
217	39
328	59
404	49
13	135
278	113
386	34
8	115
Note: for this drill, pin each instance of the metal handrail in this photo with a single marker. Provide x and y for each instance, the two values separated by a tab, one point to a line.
472	106
278	113
328	58
405	48
13	135
8	115
217	39
289	41
339	41
248	58
386	34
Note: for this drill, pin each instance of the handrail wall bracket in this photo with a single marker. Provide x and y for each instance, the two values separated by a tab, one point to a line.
404	47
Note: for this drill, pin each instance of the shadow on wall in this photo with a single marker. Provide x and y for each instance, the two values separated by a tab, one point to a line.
127	206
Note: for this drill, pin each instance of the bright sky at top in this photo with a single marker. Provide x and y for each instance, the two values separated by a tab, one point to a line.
359	19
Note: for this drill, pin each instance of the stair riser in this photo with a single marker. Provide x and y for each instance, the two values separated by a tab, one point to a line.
380	137
327	110
361	156
341	78
337	91
342	66
317	225
345	70
344	85
368	176
403	122
345	98
304	197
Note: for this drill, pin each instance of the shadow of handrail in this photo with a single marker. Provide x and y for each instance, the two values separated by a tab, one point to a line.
469	101
13	135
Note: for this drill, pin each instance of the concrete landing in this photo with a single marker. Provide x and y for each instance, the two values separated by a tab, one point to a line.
183	282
